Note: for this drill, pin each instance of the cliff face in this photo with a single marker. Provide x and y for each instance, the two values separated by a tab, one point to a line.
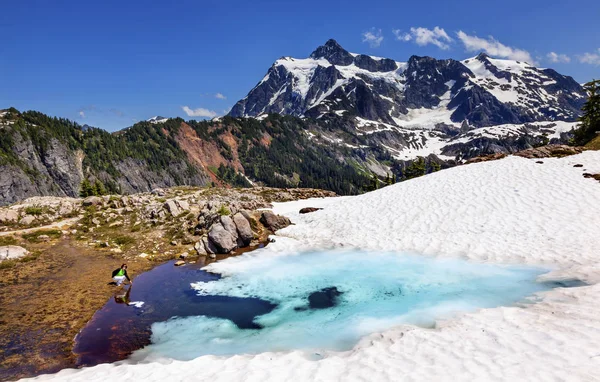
41	156
56	171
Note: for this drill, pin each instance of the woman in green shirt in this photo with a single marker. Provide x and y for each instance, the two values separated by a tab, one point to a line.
120	274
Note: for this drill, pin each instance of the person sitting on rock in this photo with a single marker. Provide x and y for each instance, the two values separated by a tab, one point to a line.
120	274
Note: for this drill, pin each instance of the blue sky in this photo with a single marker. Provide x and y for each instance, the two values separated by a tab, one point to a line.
110	63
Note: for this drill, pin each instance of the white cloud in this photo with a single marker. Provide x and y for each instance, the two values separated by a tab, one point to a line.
199	112
423	36
556	57
373	37
493	47
82	113
590	58
220	96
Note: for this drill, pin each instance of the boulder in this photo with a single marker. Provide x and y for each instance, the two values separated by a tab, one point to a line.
221	238
200	249
65	209
179	263
274	222
183	205
158	192
229	226
44	238
27	220
8	216
12	252
243	228
209	246
307	210
92	201
172	207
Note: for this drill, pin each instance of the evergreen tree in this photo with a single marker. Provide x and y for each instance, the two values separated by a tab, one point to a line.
415	169
590	121
99	188
86	189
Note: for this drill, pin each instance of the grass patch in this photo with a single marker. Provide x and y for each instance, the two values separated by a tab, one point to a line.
124	240
7	264
8	240
136	228
34	210
34	237
31	257
594	144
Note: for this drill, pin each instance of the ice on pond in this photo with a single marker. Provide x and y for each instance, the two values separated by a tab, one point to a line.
329	300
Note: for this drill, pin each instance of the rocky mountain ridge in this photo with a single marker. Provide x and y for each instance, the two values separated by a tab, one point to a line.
424	106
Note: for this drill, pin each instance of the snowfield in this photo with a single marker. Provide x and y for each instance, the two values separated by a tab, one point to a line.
510	211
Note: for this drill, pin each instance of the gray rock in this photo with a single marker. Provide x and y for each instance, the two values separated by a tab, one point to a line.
92	201
243	228
12	252
209	247
44	238
229	226
221	238
172	207
274	222
158	192
8	216
27	220
200	249
183	205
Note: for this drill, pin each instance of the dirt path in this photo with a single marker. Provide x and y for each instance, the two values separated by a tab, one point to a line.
61	224
44	303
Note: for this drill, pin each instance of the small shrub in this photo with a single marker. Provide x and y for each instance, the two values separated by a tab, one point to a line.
7	264
124	240
34	210
34	236
8	240
224	211
30	257
136	228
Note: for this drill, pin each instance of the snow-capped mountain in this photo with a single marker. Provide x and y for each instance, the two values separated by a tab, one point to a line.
481	91
157	119
423	106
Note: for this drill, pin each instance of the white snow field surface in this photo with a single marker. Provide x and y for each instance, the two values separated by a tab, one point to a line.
511	211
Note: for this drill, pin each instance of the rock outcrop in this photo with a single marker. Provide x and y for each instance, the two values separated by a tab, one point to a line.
274	222
221	238
243	228
12	252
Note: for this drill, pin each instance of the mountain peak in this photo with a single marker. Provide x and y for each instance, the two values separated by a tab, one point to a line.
333	52
482	56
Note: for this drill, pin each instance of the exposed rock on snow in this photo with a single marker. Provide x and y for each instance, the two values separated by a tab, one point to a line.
274	222
307	210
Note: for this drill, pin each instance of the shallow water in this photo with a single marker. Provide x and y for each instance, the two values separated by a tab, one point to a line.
324	301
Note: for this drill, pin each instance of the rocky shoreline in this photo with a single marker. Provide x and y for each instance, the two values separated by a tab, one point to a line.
65	248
